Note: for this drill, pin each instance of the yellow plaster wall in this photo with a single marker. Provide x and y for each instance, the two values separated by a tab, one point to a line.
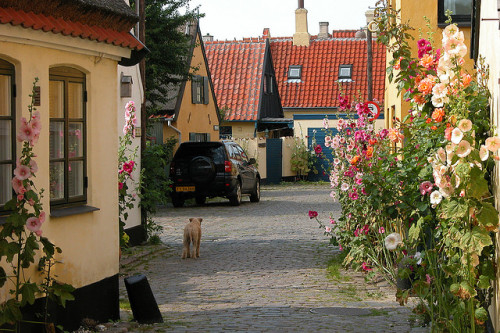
198	118
243	129
89	241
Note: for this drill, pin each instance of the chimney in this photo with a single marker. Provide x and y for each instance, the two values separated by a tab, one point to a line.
370	16
301	36
266	33
208	38
323	30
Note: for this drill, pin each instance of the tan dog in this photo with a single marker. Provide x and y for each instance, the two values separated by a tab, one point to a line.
192	233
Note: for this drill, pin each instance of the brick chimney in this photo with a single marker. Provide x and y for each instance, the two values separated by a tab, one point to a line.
208	38
301	37
266	33
323	30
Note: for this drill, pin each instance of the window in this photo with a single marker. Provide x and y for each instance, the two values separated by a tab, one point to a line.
68	155
294	72
7	131
345	72
225	132
199	137
199	89
461	9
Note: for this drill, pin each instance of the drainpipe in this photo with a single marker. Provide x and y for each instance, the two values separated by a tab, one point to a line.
175	129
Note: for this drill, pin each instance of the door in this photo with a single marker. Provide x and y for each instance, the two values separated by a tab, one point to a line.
316	136
274	160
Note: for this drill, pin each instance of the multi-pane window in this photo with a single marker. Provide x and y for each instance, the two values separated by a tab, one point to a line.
67	98
294	72
199	89
199	137
7	131
345	72
461	10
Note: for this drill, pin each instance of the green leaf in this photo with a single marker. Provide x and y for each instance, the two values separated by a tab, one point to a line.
481	314
454	208
483	282
414	232
477	187
475	241
63	292
48	247
488	216
28	292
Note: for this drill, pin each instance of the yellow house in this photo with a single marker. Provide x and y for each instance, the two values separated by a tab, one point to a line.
415	14
75	56
192	112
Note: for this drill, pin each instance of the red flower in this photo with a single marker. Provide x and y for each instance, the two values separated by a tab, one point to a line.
318	149
312	214
366	267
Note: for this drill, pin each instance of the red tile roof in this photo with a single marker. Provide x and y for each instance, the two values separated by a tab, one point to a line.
236	69
344	33
68	28
320	66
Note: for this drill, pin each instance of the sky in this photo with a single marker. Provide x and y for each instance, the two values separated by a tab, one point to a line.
230	19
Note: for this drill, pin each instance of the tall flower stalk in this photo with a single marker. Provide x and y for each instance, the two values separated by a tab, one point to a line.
21	240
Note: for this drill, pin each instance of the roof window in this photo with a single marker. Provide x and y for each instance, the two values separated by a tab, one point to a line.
345	73
294	72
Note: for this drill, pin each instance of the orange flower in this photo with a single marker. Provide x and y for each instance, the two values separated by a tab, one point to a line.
397	65
355	160
434	128
419	99
428	120
394	135
372	141
427	61
369	152
447	133
425	86
438	115
466	80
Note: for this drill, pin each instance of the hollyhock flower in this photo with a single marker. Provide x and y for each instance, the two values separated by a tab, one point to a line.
33	166
366	267
332	221
426	61
493	143
26	132
357	232
392	241
22	172
465	125
439	101
33	224
129	167
312	214
463	149
17	184
425	187
436	197
336	161
441	154
383	133
120	185
438	114
456	135
466	80
428	279
381	230
328	229
20	197
325	123
42	217
425	86
484	153
451	31
318	149
447	133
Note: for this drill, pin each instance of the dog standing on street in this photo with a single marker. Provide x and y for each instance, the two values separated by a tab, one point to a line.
192	234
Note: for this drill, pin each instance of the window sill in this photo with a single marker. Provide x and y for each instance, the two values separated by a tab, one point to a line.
68	211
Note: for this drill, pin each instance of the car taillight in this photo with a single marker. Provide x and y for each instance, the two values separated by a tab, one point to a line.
227	166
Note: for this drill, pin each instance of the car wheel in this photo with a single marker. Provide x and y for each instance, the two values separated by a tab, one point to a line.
201	169
177	202
200	199
255	196
235	199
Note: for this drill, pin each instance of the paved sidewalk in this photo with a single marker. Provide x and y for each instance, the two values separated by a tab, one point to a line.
262	269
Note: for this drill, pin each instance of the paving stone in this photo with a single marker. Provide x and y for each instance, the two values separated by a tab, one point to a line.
262	269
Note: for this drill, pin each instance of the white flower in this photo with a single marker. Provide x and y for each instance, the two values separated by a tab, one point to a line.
441	153
344	187
392	241
456	135
439	101
465	125
463	148
436	197
336	161
418	256
484	153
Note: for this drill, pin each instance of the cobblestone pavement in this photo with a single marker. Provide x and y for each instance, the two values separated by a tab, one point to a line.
262	268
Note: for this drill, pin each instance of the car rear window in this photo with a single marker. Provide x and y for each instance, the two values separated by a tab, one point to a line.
214	151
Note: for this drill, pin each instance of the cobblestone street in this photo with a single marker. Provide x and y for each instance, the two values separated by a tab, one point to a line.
262	269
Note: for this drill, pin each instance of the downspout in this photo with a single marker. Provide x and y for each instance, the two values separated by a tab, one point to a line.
169	123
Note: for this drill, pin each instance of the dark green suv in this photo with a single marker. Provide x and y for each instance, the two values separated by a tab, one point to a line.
204	170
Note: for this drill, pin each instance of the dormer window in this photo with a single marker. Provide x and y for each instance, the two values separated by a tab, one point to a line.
294	72
345	72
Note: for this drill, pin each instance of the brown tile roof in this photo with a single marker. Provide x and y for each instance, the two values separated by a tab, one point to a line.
318	87
236	69
68	28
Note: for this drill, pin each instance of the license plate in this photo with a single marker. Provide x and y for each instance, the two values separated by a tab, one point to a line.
184	189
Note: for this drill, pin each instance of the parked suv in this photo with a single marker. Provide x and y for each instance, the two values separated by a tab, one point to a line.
213	169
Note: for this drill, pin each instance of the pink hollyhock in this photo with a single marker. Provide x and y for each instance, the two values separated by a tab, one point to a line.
22	172
33	224
357	232
128	167
318	149
26	132
366	229
366	267
381	230
340	247
17	184
425	187
493	143
42	217
312	214
33	166
328	229
354	195
332	221
20	197
120	185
